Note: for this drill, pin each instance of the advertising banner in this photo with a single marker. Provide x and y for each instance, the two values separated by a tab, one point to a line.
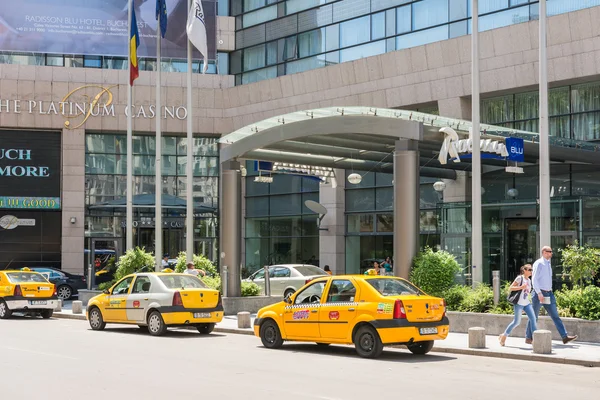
29	170
97	27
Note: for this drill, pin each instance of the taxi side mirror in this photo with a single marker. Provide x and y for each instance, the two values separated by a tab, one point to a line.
106	291
288	300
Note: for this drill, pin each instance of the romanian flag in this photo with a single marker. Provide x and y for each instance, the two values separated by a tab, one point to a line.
134	42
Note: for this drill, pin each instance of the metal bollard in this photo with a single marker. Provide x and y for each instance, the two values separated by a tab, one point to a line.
224	281
496	286
267	281
90	283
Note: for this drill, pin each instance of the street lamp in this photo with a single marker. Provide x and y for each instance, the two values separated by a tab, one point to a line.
354	178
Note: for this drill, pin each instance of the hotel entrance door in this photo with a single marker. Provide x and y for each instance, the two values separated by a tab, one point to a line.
173	240
521	245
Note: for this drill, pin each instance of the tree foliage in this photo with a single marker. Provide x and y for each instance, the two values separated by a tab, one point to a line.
434	271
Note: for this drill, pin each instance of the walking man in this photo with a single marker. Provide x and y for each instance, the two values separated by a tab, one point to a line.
543	295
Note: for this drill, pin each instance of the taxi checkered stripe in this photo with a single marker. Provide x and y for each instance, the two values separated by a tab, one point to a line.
317	305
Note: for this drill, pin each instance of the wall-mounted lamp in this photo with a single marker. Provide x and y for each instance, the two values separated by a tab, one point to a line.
73	220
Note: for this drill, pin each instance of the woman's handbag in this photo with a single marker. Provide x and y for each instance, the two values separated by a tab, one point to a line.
514	295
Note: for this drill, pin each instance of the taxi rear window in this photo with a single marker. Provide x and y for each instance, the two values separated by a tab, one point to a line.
24	277
182	282
393	287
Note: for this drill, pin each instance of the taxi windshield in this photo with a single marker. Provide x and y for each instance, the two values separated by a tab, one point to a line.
393	287
182	282
23	277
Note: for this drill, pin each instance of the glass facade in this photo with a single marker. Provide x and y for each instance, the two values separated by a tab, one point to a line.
105	190
574	111
281	37
279	229
370	219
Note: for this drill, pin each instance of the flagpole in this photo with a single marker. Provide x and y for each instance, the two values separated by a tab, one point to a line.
129	210
476	227
158	165
544	194
189	219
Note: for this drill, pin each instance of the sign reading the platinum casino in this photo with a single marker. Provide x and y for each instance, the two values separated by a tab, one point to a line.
85	102
29	170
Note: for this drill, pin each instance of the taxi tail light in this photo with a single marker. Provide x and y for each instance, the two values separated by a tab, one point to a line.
55	293
399	312
177	299
220	302
308	280
444	300
18	292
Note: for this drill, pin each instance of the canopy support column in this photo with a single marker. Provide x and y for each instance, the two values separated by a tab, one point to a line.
230	235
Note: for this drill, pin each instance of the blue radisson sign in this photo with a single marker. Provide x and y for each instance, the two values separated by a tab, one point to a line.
515	148
511	149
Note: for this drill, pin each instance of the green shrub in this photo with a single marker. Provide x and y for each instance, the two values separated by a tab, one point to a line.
455	296
134	260
434	271
200	262
479	300
213	282
250	289
588	306
106	285
566	301
581	263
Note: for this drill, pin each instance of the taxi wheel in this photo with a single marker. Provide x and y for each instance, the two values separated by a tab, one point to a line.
421	347
5	312
270	335
46	314
367	342
96	321
205	329
156	325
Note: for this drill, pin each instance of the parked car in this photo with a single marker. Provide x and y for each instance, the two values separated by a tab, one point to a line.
367	311
156	301
28	292
67	285
285	279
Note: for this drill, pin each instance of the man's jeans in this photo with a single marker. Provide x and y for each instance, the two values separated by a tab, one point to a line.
552	312
518	311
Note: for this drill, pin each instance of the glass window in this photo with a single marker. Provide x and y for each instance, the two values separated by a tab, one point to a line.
385	223
403	19
429	13
458	9
254	57
24	277
309	270
423	37
497	109
294	6
95	143
393	287
504	18
142	285
366	50
332	37
488	6
390	22
257	206
360	200
289	204
259	75
378	26
384	198
289	48
122	287
558	101
586	126
360	223
341	290
311	43
182	282
281	272
458	29
272	53
285	226
311	294
586	97
305	64
257	253
355	31
259	16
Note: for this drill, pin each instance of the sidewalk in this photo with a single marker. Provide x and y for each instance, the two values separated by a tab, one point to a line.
575	353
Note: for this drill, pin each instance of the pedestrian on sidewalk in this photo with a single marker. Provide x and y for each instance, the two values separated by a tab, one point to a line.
191	270
522	284
326	269
542	286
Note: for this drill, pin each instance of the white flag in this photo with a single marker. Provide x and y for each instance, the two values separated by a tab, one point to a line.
196	30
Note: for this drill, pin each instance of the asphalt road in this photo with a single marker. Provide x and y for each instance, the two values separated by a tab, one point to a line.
64	359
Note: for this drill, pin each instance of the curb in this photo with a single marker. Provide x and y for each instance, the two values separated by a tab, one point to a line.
470	352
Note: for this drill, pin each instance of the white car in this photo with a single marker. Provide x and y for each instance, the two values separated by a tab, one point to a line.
285	279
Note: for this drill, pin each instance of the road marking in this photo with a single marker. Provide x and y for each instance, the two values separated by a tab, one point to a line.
41	353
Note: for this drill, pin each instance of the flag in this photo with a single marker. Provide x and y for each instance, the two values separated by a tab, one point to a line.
134	42
196	30
161	15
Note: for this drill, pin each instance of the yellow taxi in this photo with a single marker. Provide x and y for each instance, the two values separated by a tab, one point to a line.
368	311
28	292
156	301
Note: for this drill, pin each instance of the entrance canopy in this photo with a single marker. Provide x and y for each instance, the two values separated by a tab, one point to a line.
363	138
149	201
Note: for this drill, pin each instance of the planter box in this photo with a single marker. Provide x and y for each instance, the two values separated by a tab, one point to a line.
86	295
495	324
252	304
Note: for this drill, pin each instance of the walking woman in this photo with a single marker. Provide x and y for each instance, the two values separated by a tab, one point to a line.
523	284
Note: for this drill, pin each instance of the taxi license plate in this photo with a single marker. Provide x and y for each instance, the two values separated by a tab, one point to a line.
202	315
38	302
428	331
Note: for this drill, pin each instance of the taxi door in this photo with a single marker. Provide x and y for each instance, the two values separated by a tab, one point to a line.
115	310
301	318
338	310
139	299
